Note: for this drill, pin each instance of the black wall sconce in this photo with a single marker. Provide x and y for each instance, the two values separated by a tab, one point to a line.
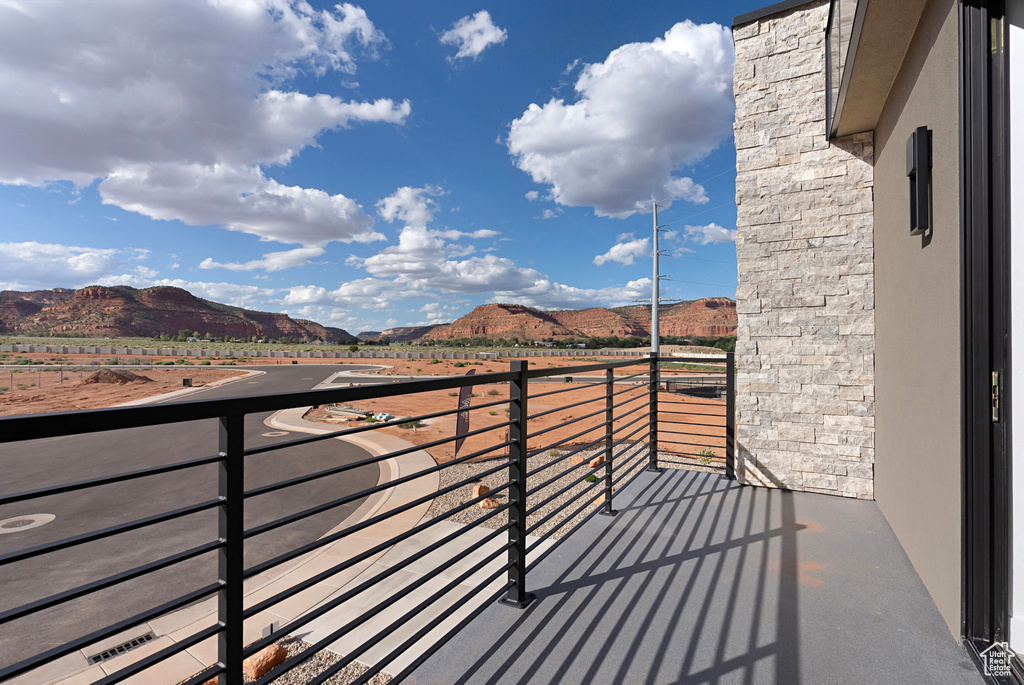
919	170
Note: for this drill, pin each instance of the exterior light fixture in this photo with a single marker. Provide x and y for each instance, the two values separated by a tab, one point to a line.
919	171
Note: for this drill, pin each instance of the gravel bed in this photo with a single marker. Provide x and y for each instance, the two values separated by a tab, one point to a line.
315	665
574	496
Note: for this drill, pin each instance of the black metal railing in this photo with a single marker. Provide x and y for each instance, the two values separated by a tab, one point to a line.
556	470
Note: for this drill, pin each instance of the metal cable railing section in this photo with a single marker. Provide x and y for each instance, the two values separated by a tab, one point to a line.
555	468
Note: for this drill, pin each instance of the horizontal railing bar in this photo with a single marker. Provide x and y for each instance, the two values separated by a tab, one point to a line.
368	644
331	604
563	408
561	474
572	370
533	509
103	633
642	386
692	444
362	525
117	579
716	403
333	504
363	428
631	411
562	457
431	625
575	482
31	552
632	375
535	396
209	674
298	480
695	425
376	549
562	508
566	423
535	452
161	655
574	527
695	435
107	480
36	426
642	396
364	616
688	413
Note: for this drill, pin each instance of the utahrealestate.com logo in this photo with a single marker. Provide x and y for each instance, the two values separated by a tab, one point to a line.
996	660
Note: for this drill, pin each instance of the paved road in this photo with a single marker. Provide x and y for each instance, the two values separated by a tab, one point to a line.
51	461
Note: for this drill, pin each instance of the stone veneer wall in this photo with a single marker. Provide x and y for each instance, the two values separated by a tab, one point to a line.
805	347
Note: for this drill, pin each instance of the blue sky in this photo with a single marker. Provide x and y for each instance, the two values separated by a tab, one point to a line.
373	165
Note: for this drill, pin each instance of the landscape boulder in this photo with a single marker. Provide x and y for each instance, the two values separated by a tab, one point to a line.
577	460
480	489
490	503
262	661
597	461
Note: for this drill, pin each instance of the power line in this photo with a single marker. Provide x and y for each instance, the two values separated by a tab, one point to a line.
717	285
700	259
687	218
709	178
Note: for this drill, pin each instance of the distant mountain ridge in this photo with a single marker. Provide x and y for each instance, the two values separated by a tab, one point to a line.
711	316
707	317
123	311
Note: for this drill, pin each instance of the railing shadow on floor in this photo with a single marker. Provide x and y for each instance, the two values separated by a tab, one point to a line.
660	571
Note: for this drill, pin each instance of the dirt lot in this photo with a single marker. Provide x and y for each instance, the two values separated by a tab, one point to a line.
688	425
37	392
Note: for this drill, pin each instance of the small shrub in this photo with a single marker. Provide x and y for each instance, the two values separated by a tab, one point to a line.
459	365
226	364
111	362
3	389
492	392
434	361
591	478
553	452
409	425
453	394
705	455
370	419
353	348
493	413
22	386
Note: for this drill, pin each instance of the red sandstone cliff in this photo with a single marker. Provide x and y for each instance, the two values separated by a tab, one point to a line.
121	311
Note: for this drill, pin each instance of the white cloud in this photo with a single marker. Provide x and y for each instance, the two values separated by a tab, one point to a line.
712	233
190	96
240	199
625	251
648	110
473	34
547	295
363	293
413	206
272	261
32	265
532	195
550	213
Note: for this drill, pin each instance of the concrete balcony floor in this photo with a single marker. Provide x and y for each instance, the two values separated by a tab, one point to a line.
701	580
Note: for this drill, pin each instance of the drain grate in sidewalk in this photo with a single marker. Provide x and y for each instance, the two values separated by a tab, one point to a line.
120	649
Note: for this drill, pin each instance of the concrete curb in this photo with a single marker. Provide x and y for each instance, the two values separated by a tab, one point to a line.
188	391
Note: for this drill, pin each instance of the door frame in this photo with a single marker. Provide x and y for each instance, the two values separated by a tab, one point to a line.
985	323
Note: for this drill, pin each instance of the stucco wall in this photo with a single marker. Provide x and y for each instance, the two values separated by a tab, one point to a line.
917	316
805	300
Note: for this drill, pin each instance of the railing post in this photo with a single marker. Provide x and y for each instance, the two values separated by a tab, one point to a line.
231	479
652	464
517	595
730	416
609	419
